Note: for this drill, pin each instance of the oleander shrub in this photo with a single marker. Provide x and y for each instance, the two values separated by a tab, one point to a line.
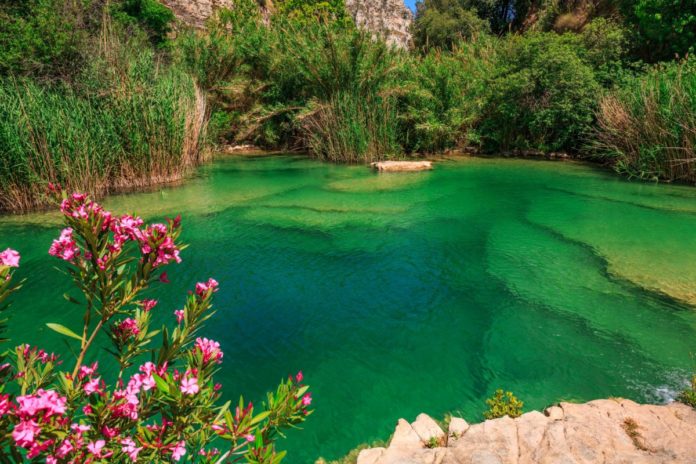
162	403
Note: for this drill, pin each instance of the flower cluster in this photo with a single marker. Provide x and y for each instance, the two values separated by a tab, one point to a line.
156	411
9	258
209	350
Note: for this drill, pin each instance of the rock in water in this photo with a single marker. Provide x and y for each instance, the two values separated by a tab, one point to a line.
396	166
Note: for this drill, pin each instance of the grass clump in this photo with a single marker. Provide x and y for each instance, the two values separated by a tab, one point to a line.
647	127
503	403
688	395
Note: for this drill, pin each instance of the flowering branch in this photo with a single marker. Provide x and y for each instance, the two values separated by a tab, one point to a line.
164	410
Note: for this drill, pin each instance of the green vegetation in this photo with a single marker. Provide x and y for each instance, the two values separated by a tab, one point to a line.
503	404
647	128
107	96
688	396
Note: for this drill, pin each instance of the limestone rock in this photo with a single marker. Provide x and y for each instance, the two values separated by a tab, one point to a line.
457	427
427	428
196	12
554	413
613	431
396	166
389	19
404	436
370	456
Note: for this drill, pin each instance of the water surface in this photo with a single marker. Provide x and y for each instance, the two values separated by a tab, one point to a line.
416	292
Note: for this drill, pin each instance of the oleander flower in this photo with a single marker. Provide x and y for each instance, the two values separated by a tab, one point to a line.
9	258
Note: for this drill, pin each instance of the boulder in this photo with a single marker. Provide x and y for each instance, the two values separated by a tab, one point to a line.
427	428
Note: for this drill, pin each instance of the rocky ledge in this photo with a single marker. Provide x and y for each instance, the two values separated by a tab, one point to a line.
601	431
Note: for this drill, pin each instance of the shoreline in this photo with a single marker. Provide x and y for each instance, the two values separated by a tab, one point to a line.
605	430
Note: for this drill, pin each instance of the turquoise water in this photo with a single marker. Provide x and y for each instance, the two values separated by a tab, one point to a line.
416	292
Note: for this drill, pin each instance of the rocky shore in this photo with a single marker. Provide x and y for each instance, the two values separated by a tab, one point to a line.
601	431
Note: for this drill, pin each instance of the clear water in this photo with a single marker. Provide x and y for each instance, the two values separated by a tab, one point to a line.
417	292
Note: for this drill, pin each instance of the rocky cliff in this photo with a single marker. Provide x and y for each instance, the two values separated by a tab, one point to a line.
601	431
389	19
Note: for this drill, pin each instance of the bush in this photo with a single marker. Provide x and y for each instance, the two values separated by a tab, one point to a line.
443	95
688	396
440	24
542	96
647	128
170	405
503	404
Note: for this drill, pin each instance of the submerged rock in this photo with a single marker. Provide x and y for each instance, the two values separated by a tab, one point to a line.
396	166
601	431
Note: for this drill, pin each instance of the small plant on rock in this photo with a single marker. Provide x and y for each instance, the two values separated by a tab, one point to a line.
688	396
503	404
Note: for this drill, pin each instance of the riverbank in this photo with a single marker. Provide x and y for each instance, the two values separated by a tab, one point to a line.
610	430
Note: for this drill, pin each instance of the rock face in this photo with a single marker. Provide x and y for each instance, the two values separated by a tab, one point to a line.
390	19
196	12
602	431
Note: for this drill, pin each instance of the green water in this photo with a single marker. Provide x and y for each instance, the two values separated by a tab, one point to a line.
417	292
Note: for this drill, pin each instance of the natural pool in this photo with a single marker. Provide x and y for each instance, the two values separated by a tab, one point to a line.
416	292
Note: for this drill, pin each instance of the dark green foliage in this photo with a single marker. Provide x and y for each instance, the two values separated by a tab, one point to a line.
307	11
155	18
542	96
41	37
665	27
443	23
503	404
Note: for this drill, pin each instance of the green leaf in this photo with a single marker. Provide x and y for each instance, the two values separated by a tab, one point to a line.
71	299
259	417
61	329
161	383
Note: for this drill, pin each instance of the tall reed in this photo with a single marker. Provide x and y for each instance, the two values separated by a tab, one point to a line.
142	126
647	129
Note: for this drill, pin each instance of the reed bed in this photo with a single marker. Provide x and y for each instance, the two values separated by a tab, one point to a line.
144	132
647	129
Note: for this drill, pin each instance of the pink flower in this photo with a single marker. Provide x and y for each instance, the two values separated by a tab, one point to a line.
95	447
163	278
128	447
4	404
179	313
43	400
92	386
65	247
87	370
9	258
209	349
87	410
126	328
189	385
299	377
250	437
25	433
110	432
148	305
203	288
307	399
64	448
179	451
51	459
